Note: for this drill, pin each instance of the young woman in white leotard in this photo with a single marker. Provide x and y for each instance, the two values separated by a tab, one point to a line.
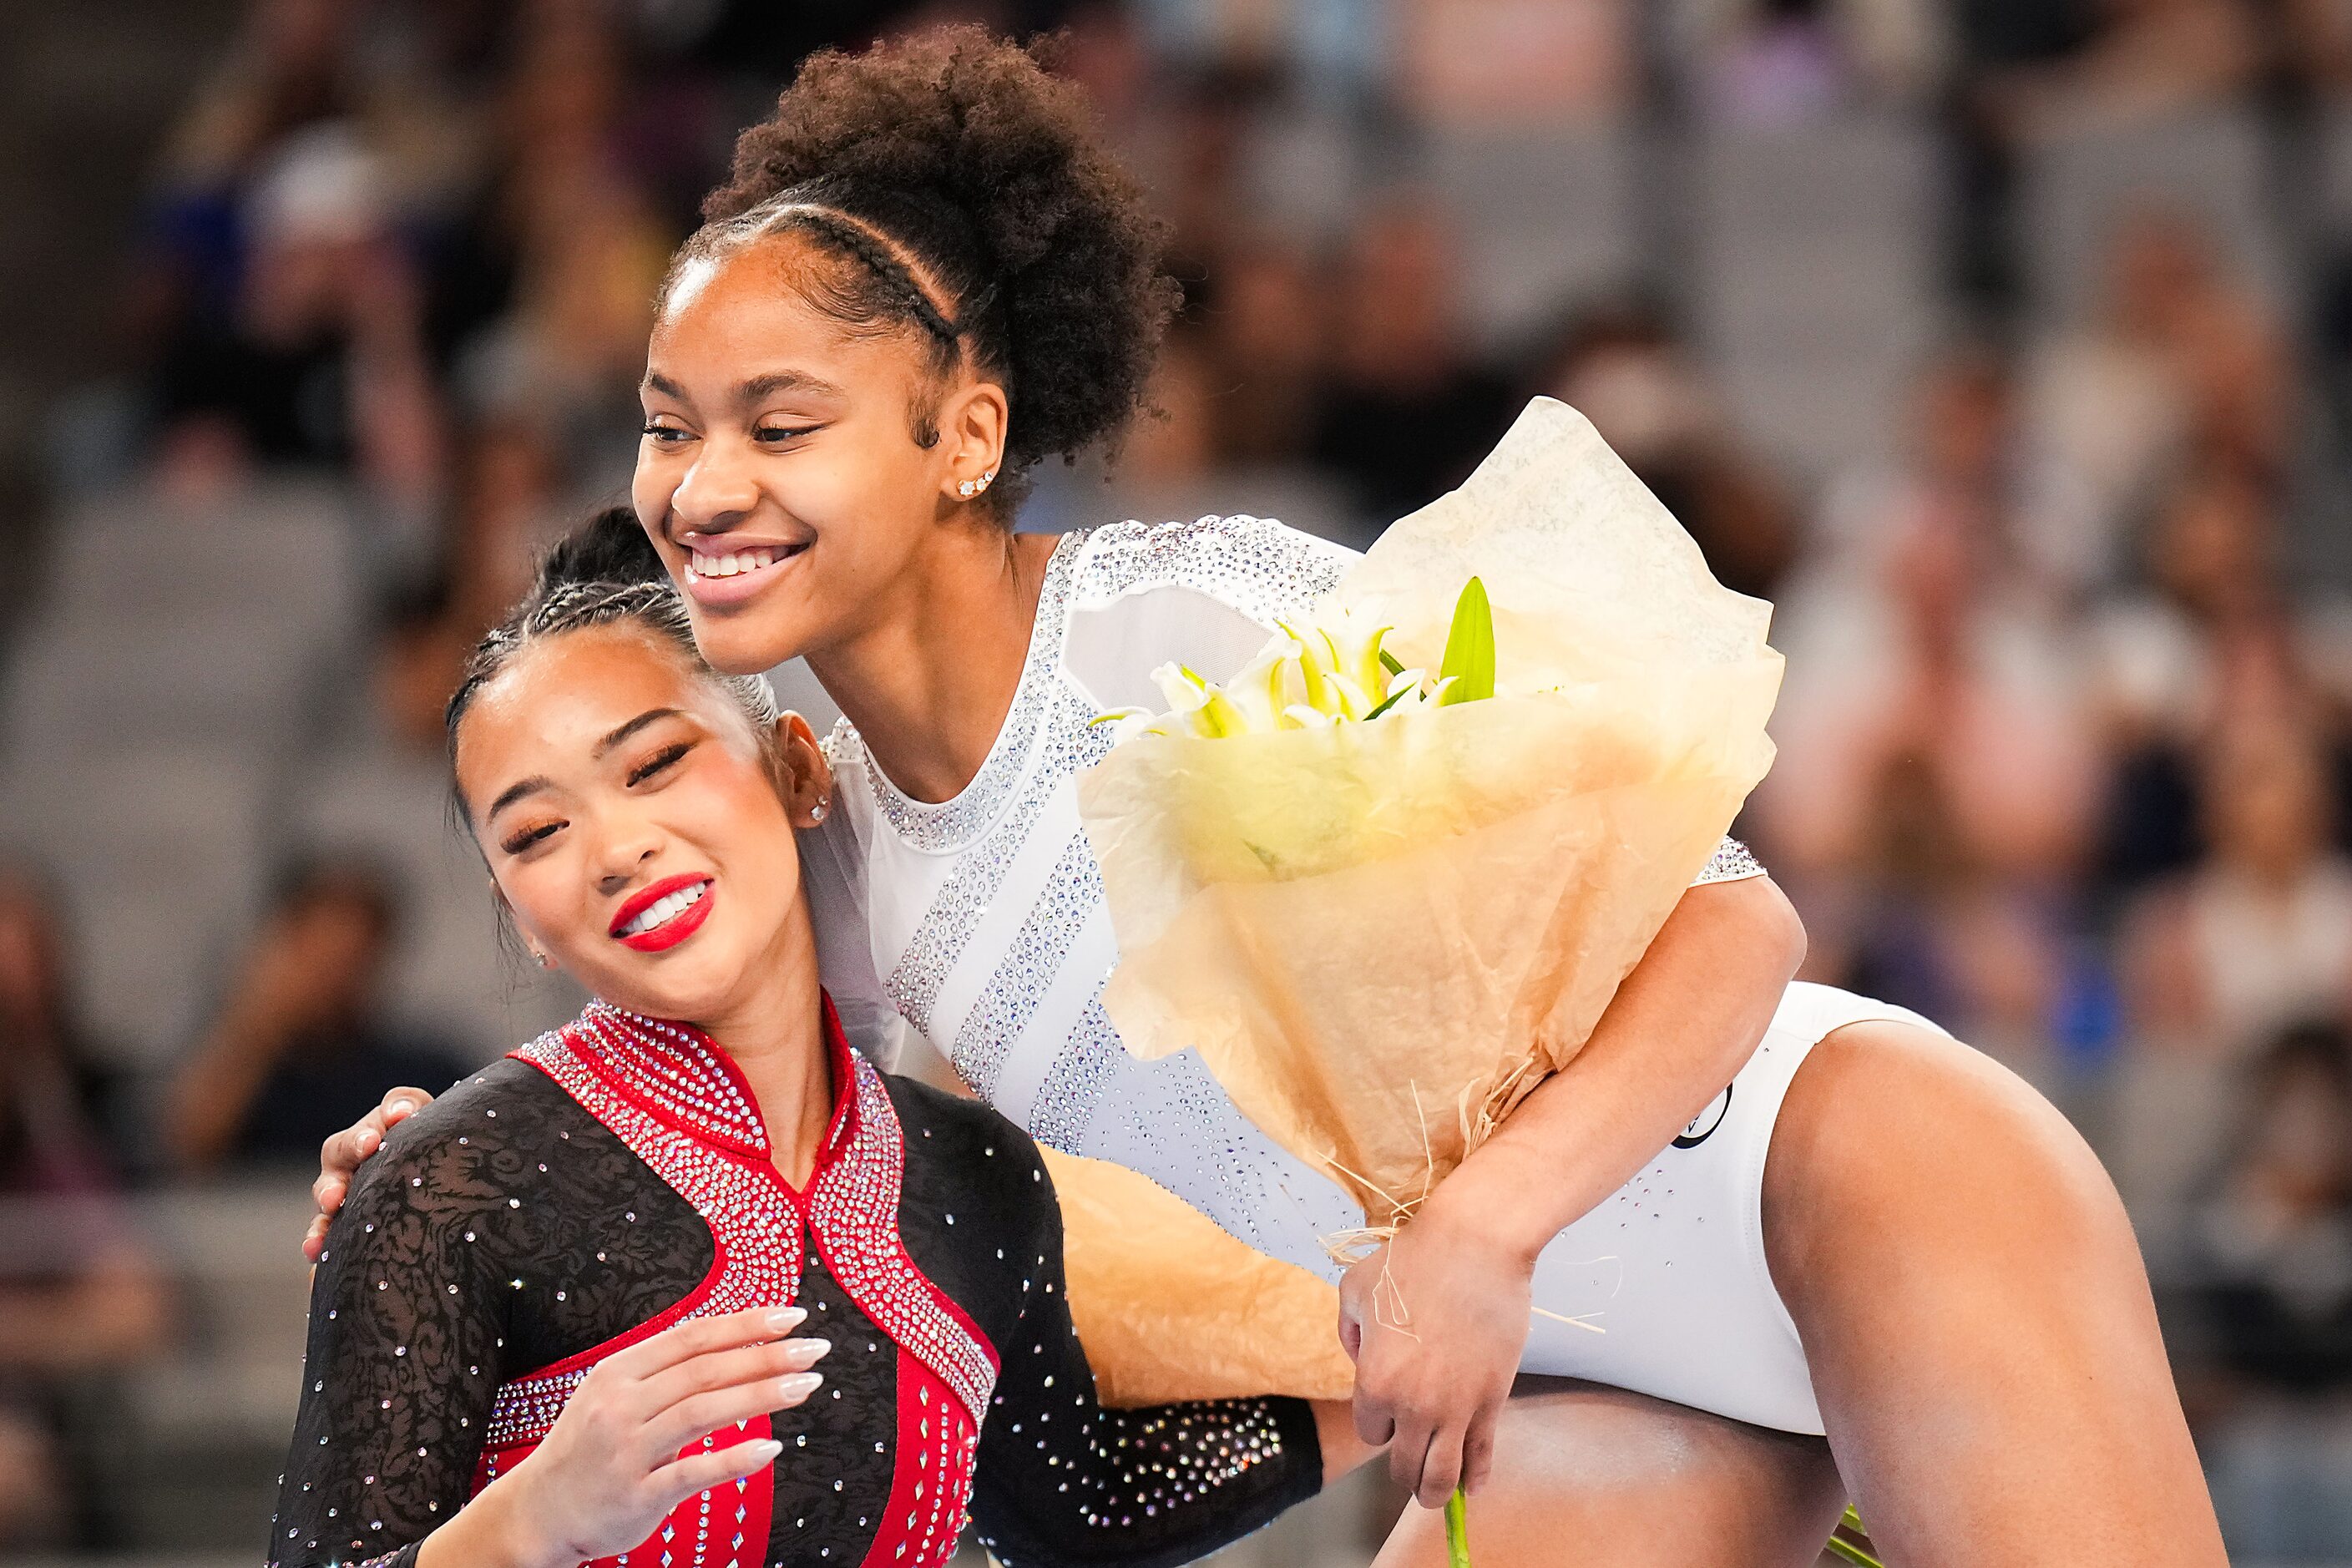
924	279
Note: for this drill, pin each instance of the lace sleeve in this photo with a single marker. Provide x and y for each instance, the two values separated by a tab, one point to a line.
407	1329
1065	1481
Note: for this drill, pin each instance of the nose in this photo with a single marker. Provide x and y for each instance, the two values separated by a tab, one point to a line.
719	489
624	847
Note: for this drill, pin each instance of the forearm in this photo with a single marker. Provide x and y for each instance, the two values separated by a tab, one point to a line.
1684	1021
212	1094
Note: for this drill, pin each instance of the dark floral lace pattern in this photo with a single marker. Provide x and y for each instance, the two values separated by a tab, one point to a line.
504	1229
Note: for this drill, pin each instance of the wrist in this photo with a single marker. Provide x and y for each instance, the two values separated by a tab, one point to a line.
514	1531
1483	1204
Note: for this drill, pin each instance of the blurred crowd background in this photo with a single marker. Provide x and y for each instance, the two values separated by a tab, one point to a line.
2006	345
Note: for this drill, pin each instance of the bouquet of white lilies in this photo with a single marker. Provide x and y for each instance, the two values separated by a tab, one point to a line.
1388	876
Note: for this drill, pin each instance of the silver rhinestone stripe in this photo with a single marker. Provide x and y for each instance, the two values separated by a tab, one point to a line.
755	1224
946	928
1256	565
952	823
853	1214
680	1074
946	1451
1072	891
1731	862
1066	1102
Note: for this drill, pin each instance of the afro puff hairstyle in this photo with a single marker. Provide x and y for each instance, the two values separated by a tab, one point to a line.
957	151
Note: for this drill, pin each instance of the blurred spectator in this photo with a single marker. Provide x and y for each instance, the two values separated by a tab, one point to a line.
1173	463
57	1065
585	245
1408	410
77	1292
1932	796
2182	368
2136	61
2275	1232
2273	1304
2256	936
2211	636
298	1051
1265	325
1485	63
1768	63
1624	370
319	357
1970	449
2260	934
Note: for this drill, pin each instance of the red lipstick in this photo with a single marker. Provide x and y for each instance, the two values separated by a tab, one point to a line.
673	929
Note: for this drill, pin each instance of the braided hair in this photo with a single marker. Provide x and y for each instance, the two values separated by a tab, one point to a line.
602	572
967	197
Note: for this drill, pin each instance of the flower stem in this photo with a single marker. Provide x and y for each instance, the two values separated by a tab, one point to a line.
1457	1531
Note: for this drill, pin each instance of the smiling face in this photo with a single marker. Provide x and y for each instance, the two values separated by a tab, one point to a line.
636	823
784	474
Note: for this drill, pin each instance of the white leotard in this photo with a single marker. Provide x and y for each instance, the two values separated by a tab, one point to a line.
984	930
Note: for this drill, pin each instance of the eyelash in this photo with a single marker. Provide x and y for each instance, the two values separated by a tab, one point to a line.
665	434
524	840
662	759
666	757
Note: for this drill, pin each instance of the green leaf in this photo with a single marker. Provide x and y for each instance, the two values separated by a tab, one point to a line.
1390	663
1458	1521
1470	648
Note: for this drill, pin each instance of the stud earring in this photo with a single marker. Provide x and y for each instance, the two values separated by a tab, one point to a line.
988	479
544	962
967	489
816	812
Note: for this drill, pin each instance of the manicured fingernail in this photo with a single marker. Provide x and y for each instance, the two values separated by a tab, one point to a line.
784	1318
798	1386
369	1138
766	1448
813	1350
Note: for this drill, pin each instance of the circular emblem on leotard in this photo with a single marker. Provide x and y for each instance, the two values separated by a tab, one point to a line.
1702	1126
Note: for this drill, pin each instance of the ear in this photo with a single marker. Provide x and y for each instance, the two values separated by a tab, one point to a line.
530	943
803	778
972	423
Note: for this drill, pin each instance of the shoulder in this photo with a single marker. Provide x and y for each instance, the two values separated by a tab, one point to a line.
507	1111
1206	594
964	1156
1252	565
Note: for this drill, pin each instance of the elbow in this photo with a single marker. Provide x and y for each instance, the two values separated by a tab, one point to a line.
1784	930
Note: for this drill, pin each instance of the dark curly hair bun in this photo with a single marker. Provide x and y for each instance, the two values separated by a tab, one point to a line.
959	151
610	547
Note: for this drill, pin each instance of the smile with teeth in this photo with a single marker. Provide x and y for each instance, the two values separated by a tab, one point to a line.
661	912
736	563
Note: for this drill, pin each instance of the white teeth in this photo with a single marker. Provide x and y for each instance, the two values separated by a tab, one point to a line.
733	564
663	911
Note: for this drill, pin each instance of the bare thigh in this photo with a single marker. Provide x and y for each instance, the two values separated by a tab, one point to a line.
1588	1474
1976	1315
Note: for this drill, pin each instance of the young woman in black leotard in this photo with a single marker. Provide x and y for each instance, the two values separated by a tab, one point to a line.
555	1320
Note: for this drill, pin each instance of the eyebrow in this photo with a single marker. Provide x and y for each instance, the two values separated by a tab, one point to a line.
538	782
650	716
752	390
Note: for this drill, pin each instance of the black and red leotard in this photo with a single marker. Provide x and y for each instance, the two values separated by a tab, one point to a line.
613	1178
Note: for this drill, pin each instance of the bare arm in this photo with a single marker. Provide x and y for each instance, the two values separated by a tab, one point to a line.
1679	1029
1684	1023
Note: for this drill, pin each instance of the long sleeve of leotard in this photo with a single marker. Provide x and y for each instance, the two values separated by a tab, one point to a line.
1064	1481
406	1341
